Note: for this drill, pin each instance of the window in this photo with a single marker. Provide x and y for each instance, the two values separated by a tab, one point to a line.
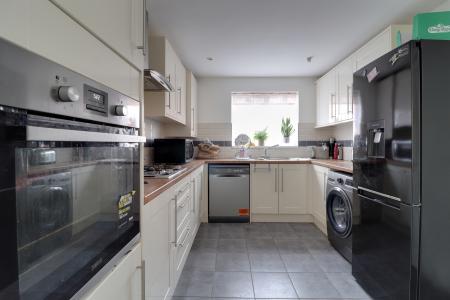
252	112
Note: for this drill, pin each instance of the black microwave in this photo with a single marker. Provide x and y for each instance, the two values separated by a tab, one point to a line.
173	151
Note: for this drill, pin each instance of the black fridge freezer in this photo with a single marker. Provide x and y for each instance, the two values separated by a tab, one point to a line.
401	238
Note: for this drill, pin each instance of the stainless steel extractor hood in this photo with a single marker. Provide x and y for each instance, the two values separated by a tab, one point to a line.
154	81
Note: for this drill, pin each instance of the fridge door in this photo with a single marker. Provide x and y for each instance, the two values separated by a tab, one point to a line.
382	151
381	247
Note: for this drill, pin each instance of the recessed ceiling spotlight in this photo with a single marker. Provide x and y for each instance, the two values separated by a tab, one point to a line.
309	59
210	58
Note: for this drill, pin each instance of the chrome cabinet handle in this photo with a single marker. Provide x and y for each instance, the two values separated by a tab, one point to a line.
282	180
192	120
276	180
170	94
144	29
142	268
185	237
175	221
333	105
349	99
179	101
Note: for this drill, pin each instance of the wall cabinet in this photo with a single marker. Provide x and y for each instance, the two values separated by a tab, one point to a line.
121	25
123	282
166	106
45	29
190	129
278	189
334	90
317	192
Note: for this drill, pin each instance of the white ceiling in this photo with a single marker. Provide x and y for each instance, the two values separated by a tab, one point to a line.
273	37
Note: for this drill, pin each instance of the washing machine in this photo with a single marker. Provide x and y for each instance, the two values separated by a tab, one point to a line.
339	195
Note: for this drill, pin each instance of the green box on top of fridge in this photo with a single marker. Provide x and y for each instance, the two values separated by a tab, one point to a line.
432	26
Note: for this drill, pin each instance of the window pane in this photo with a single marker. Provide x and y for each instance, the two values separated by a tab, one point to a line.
251	112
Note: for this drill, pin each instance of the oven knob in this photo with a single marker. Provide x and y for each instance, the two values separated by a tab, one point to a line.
121	110
68	94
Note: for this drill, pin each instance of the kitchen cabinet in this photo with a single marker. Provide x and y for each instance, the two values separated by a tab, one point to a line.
124	280
119	24
292	197
264	188
157	246
278	189
334	90
45	29
197	184
317	193
162	105
190	129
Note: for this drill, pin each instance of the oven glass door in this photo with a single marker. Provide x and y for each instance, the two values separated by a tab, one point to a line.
77	205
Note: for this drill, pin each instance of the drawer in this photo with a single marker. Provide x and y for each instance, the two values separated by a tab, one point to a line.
183	209
182	251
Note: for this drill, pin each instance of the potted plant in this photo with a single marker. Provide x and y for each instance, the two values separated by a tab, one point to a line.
287	129
261	136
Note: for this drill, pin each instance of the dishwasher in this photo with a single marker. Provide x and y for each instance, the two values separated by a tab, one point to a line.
229	193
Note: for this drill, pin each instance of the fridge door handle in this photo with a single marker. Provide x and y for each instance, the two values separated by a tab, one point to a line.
379	202
362	190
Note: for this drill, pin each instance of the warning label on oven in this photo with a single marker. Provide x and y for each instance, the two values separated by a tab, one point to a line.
124	208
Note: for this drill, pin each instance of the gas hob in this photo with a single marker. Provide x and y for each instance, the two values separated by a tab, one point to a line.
163	171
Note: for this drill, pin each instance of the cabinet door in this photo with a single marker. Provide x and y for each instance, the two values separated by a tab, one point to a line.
264	189
14	21
322	102
192	95
156	245
331	95
117	23
318	190
124	281
181	91
293	189
170	73
198	190
375	48
345	89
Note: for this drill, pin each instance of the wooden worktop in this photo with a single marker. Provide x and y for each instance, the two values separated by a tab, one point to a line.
155	187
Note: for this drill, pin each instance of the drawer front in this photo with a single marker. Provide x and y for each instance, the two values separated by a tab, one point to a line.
182	251
183	208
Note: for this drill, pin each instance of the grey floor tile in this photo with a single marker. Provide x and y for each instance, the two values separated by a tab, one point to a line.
333	263
205	245
346	285
208	231
286	246
273	285
266	246
195	284
231	262
266	263
200	261
233	284
279	227
313	285
232	246
302	262
316	246
232	231
257	233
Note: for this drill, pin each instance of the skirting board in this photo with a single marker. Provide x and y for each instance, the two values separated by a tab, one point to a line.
307	218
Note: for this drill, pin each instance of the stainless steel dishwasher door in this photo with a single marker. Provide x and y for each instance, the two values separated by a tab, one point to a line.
229	193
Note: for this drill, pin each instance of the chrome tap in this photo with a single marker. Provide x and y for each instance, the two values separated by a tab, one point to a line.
267	148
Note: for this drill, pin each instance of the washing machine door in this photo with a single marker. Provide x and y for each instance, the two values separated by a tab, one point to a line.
339	212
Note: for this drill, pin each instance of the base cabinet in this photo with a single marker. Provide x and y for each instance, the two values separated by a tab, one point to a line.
278	189
317	194
169	226
124	282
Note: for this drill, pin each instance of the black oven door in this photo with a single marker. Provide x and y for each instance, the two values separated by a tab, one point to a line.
70	205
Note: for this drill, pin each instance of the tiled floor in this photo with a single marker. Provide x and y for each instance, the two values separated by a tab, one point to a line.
265	261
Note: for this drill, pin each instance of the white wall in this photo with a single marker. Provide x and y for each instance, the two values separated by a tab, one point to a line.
443	7
214	95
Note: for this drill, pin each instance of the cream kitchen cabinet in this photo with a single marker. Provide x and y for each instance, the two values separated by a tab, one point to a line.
45	29
278	189
157	246
190	129
334	90
381	44
317	192
197	187
118	23
124	282
166	106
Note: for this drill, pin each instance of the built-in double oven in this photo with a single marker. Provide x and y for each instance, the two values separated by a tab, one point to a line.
69	178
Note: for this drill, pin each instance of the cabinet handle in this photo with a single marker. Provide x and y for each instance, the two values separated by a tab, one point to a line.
333	105
185	237
276	180
282	180
349	99
170	94
192	120
144	29
142	268
179	101
175	221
